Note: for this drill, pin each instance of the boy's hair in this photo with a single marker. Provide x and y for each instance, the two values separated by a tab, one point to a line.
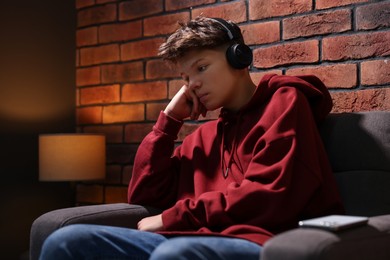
200	33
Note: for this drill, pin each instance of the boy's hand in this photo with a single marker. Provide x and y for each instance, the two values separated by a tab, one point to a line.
185	104
152	224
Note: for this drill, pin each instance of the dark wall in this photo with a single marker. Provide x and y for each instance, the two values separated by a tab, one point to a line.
37	95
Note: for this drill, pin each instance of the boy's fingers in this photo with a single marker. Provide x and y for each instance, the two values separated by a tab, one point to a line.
195	105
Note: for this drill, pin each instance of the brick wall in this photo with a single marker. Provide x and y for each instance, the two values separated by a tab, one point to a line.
122	85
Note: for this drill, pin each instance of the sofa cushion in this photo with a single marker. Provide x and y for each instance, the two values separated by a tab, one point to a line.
358	141
364	242
365	193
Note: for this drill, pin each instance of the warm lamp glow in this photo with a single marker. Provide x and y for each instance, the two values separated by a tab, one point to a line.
71	157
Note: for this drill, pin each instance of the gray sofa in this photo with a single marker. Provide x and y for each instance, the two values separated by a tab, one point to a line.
358	145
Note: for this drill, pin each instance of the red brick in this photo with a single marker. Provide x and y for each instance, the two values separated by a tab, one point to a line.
235	11
88	76
153	110
104	1
260	33
89	193
119	73
333	76
322	4
77	63
135	133
77	97
84	3
141	49
376	72
121	154
373	16
130	10
113	133
261	9
164	24
123	113
89	115
99	54
357	46
127	174
120	32
114	174
174	86
145	91
100	95
257	76
97	15
289	53
171	5
156	69
362	100
317	24
116	195
87	36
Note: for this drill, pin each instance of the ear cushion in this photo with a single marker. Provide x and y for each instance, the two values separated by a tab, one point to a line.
239	56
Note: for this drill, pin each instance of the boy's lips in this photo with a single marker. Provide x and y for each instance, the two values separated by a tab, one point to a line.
202	97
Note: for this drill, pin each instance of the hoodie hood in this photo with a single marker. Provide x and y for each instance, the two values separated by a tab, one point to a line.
312	87
314	90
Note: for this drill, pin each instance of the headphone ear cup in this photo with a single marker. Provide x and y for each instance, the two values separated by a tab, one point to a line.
239	56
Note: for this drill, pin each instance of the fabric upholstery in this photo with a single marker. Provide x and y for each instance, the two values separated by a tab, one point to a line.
358	147
358	141
361	243
117	214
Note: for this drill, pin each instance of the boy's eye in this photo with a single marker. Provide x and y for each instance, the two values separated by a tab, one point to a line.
202	68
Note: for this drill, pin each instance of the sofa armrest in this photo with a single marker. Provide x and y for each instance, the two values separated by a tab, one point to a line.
118	214
366	242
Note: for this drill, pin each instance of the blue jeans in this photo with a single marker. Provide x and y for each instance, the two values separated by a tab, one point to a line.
103	242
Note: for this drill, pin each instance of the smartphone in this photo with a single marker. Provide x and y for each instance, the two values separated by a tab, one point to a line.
334	222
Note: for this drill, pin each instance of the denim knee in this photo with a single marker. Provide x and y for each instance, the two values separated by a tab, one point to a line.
172	249
56	245
204	248
83	241
181	248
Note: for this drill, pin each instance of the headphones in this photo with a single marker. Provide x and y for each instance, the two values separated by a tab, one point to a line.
238	55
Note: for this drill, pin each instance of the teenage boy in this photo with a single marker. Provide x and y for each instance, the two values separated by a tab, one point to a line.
234	182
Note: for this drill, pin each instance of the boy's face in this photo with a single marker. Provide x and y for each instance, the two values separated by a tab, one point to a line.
208	74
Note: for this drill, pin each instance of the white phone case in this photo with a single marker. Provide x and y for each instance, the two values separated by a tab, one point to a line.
334	222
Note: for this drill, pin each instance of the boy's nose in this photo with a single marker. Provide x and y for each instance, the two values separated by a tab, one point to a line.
195	84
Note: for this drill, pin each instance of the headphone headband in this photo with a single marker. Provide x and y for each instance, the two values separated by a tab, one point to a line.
228	28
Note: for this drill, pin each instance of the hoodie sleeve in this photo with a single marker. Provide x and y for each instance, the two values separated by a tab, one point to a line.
286	179
154	178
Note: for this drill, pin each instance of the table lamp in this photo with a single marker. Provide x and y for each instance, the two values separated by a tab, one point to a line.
72	157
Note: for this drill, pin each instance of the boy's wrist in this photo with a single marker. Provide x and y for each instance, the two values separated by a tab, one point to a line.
171	114
168	124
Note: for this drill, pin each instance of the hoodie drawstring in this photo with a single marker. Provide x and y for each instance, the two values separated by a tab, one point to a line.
226	167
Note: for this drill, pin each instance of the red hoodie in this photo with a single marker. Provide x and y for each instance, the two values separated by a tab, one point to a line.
249	174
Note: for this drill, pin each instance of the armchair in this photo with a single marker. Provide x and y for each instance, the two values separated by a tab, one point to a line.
358	146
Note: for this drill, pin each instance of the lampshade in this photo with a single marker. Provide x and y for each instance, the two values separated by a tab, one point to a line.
71	157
